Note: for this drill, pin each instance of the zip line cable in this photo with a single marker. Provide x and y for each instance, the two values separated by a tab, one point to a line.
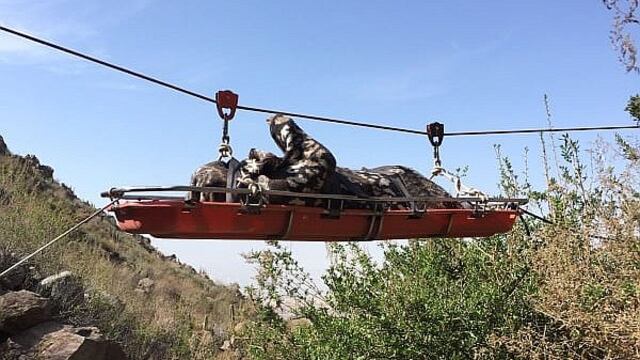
300	115
541	130
104	63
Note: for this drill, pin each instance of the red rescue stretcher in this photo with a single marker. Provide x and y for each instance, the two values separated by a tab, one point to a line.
173	217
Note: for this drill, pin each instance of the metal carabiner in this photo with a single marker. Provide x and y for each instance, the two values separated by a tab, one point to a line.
225	151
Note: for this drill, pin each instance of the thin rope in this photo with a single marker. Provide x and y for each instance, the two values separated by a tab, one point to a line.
294	114
69	231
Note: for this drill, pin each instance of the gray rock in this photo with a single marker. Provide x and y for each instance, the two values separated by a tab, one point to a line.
54	341
30	337
21	310
65	290
17	278
78	344
145	285
9	350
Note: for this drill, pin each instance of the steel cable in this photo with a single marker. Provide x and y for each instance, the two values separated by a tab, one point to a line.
69	231
294	114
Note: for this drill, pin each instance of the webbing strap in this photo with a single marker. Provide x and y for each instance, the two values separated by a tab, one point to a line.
415	209
399	184
232	173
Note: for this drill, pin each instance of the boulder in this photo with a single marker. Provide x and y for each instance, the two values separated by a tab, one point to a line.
9	350
28	338
16	279
23	277
54	341
78	344
21	310
64	289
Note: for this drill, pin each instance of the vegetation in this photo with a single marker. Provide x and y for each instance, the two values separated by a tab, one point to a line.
633	107
565	289
183	315
625	25
569	289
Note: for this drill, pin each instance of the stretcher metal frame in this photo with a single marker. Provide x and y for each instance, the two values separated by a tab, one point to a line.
142	210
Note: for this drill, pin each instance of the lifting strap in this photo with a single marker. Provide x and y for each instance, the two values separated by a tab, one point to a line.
226	104
417	209
233	165
435	132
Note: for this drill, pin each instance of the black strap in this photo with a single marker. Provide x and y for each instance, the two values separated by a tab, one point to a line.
233	165
343	185
544	220
399	184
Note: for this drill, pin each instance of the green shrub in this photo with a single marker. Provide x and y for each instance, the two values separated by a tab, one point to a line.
431	299
561	290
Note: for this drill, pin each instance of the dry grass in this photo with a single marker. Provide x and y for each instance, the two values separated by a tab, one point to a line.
165	323
587	264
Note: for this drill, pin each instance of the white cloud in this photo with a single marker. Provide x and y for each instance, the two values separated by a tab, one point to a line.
77	24
74	23
34	18
14	45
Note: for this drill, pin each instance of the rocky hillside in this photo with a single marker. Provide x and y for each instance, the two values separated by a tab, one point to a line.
150	304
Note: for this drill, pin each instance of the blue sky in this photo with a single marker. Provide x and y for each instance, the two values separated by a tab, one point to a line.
471	65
